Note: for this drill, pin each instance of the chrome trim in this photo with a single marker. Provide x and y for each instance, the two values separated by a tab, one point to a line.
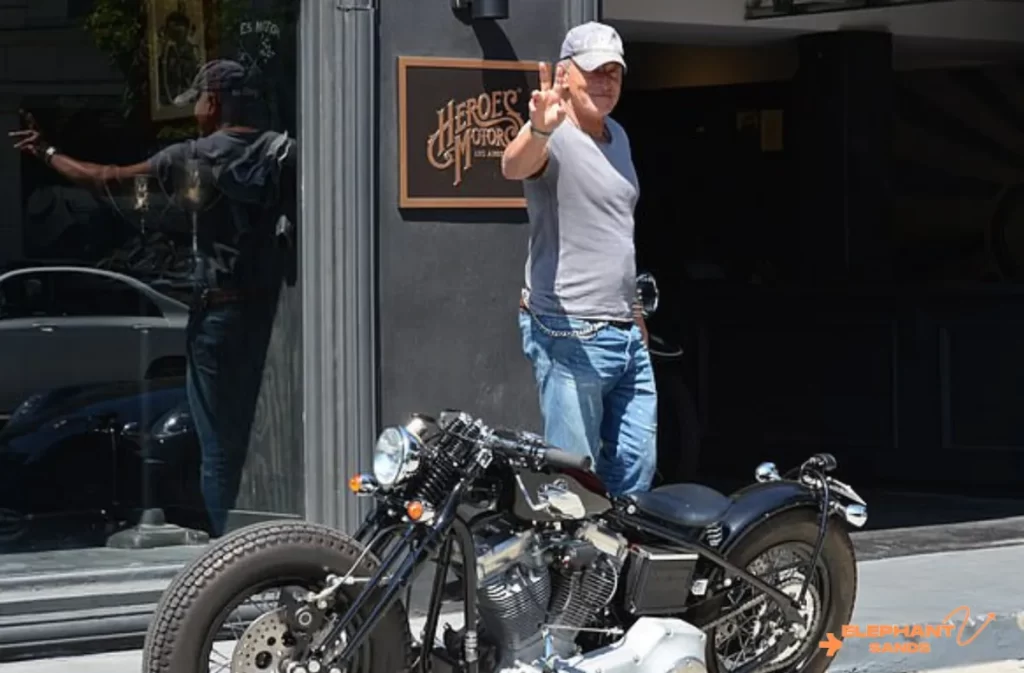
845	490
503	554
855	514
688	665
555	499
766	472
604	540
367	484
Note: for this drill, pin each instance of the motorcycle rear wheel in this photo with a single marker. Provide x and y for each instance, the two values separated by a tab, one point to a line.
180	635
800	528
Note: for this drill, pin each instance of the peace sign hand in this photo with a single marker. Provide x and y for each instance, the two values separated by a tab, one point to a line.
547	106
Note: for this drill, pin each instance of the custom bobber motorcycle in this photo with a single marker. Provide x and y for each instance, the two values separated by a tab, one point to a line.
554	574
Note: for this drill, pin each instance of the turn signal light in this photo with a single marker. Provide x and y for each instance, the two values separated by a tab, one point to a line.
415	510
362	484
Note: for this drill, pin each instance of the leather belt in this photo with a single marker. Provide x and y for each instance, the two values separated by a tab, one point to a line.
218	297
621	324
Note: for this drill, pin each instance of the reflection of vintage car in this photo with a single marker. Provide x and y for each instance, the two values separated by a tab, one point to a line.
67	325
72	468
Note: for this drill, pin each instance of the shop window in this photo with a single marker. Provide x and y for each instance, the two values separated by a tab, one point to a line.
82	294
149	231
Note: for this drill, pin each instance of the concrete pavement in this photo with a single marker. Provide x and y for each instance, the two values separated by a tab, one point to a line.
129	662
908	590
922	590
1012	666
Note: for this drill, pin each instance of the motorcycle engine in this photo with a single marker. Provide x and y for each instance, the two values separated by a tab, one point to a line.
529	580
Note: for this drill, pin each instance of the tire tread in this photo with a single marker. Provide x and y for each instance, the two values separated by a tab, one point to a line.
801	525
205	570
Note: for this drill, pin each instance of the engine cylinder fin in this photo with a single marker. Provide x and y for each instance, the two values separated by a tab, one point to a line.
512	607
578	597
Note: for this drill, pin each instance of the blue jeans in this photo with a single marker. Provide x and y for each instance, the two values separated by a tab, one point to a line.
597	395
225	368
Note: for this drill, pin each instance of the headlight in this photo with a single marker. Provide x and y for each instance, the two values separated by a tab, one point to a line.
395	456
27	408
173	423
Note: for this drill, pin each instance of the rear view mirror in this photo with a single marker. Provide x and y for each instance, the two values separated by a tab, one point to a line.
647	293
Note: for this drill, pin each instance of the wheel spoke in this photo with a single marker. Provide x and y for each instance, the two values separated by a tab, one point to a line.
750	633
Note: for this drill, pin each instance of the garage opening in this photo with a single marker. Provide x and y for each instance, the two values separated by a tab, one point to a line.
836	225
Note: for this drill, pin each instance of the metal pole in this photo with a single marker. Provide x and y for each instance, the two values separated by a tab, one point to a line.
337	135
581	11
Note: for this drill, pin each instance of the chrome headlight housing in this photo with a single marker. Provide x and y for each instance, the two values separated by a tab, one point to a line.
395	456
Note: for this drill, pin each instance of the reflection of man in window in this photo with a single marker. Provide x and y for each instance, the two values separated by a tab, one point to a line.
178	59
238	182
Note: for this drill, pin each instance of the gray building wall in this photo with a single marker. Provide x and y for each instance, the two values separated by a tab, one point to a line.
449	280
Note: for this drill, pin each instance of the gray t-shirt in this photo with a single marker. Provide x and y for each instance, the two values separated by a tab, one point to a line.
582	261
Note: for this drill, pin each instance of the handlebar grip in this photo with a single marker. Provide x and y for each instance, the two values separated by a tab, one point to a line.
564	459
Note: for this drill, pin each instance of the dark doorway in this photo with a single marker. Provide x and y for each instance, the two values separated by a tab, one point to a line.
891	338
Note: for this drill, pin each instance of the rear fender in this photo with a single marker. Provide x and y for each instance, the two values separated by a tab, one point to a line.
760	502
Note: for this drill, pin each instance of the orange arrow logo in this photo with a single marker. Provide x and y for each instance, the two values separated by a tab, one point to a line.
831	644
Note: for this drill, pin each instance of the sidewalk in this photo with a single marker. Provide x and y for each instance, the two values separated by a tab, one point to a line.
131	661
902	591
924	589
1012	666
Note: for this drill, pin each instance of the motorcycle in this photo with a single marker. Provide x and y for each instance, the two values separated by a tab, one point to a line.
554	573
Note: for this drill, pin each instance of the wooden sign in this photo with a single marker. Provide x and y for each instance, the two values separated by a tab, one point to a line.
455	118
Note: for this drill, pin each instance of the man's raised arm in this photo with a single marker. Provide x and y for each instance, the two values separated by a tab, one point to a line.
527	154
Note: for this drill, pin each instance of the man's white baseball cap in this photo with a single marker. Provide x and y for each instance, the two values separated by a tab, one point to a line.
592	45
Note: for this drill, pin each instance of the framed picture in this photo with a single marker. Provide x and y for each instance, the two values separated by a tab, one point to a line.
455	118
176	40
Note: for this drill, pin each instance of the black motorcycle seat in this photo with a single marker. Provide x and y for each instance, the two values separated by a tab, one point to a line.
690	505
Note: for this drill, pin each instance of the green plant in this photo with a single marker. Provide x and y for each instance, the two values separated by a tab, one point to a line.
118	27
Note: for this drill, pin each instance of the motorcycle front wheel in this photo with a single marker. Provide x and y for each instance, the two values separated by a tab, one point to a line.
197	607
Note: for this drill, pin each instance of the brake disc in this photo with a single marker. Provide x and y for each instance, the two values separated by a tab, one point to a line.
264	645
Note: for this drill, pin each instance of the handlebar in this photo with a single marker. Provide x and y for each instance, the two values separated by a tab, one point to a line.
539	452
565	460
823	461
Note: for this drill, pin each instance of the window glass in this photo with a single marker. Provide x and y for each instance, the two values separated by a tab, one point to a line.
27	295
147	249
93	295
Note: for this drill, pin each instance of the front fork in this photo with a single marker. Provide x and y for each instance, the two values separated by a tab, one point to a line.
408	561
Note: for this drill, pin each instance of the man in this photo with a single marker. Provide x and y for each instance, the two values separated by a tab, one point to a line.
231	182
579	320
